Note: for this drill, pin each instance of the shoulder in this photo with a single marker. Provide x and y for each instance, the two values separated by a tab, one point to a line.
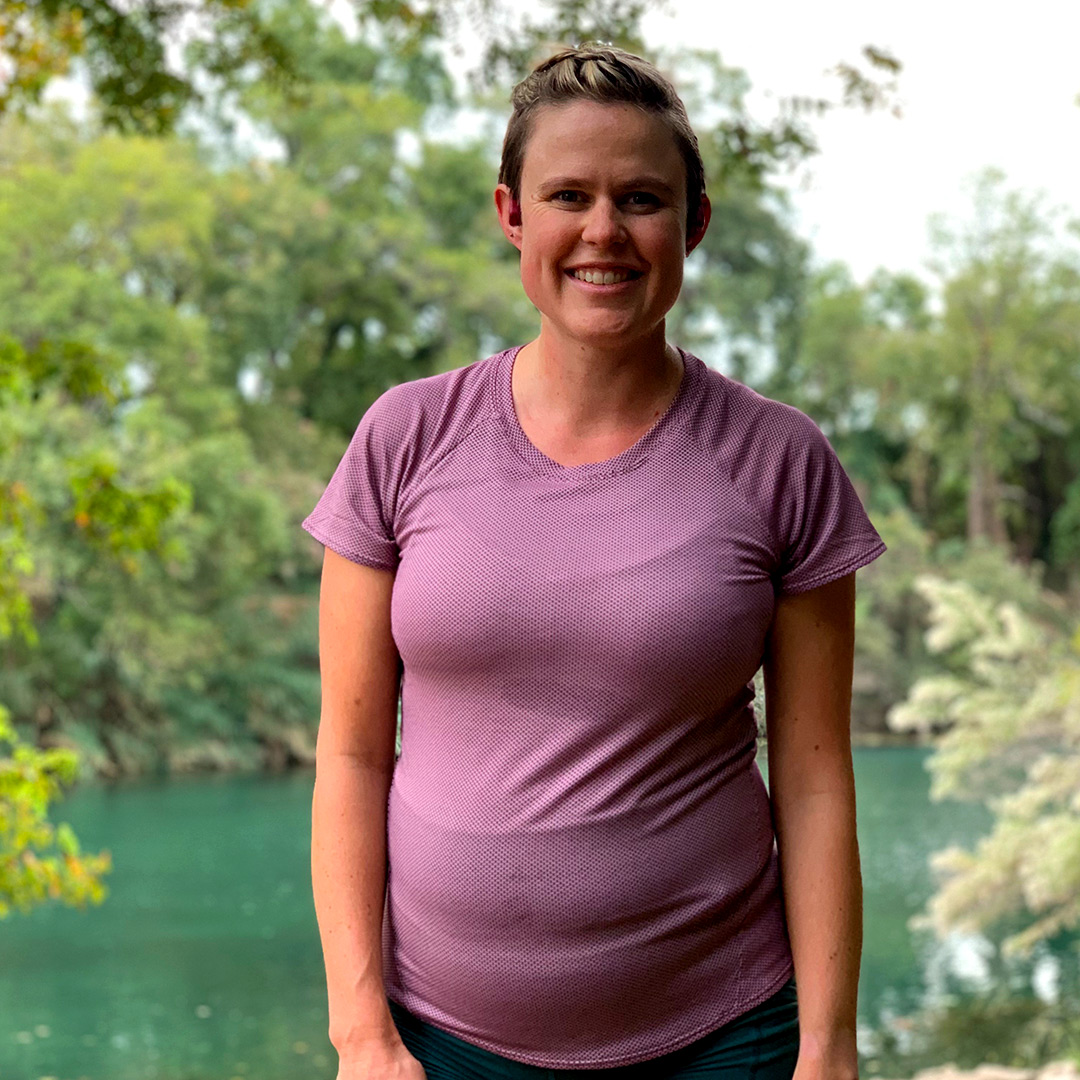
749	433
784	467
412	425
416	420
774	455
445	402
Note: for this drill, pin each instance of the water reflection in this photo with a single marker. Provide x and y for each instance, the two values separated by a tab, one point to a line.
979	1006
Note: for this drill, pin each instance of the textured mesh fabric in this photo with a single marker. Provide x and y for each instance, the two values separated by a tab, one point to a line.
582	870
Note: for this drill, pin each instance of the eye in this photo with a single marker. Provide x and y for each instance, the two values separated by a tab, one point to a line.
567	196
645	200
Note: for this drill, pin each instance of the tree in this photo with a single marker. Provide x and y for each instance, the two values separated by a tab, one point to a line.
124	49
1010	354
40	861
159	654
1009	707
148	62
968	410
369	255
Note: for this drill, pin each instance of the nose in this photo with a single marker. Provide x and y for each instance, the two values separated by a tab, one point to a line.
603	225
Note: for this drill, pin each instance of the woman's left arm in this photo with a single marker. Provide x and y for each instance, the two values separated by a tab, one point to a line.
812	787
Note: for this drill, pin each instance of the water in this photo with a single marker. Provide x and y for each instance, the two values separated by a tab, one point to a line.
204	963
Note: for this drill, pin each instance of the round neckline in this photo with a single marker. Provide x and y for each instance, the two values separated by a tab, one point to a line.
629	458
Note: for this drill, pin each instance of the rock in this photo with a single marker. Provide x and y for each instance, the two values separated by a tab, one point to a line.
1059	1070
983	1072
1002	1072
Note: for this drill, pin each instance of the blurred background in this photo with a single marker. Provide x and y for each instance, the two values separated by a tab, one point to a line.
227	226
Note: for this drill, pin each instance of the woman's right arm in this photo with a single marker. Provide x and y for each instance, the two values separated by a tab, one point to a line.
354	761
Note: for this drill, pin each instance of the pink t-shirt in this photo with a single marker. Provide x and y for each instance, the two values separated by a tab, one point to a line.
582	863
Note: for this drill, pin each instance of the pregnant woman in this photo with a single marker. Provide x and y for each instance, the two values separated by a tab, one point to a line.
567	561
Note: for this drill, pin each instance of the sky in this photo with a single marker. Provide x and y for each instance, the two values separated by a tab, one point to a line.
982	85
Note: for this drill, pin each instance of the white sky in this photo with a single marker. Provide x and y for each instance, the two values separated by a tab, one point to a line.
982	84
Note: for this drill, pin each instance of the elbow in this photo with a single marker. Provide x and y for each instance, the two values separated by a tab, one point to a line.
372	762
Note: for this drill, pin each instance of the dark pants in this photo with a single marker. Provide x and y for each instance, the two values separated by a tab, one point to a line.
762	1044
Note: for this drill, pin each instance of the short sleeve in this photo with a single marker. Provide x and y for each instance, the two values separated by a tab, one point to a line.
821	526
354	515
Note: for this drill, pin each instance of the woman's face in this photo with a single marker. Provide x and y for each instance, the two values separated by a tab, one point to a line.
603	197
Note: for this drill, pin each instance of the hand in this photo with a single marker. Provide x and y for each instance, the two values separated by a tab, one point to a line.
383	1060
840	1063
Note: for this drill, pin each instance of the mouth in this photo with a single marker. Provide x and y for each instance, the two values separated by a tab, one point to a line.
598	276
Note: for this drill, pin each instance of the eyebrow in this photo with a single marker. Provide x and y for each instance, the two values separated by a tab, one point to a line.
636	183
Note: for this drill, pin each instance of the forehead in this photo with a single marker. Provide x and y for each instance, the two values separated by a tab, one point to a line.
590	139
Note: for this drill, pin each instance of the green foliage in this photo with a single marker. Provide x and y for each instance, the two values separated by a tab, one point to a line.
40	861
1015	1030
123	638
1009	707
893	616
1065	526
1012	308
110	518
238	316
370	255
526	38
889	652
745	283
75	367
241	314
15	560
152	520
123	49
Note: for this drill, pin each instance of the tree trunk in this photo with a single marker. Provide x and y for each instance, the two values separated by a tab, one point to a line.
984	517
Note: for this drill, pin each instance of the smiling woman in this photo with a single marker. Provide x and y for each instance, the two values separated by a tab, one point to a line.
570	559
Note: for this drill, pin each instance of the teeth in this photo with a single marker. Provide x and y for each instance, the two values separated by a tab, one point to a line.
601	277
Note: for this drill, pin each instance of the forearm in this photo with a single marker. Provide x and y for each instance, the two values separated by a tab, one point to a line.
819	862
348	870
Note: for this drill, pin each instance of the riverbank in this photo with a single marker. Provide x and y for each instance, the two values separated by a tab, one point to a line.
290	748
1058	1070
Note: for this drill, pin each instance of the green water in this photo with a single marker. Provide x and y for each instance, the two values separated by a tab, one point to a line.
204	964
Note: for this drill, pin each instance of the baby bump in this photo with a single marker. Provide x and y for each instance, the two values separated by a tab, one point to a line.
545	932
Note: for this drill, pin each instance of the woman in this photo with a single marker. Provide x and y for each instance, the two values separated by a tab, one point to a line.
575	554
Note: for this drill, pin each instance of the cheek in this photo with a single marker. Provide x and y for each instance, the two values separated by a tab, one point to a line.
540	254
669	251
531	275
672	277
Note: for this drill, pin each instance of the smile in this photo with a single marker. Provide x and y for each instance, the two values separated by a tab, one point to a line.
604	277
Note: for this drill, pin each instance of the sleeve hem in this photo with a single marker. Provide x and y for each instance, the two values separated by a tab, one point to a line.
347	551
835	572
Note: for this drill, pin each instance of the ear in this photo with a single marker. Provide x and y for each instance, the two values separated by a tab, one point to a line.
701	224
509	211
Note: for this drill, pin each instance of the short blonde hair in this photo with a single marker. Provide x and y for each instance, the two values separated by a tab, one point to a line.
610	76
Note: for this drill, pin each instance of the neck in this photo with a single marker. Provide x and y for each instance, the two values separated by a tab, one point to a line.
587	388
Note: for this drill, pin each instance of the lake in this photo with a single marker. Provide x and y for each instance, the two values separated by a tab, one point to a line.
204	964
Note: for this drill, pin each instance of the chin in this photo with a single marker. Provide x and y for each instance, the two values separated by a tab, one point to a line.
612	337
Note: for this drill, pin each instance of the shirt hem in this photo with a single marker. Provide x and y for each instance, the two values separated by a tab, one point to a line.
618	1060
